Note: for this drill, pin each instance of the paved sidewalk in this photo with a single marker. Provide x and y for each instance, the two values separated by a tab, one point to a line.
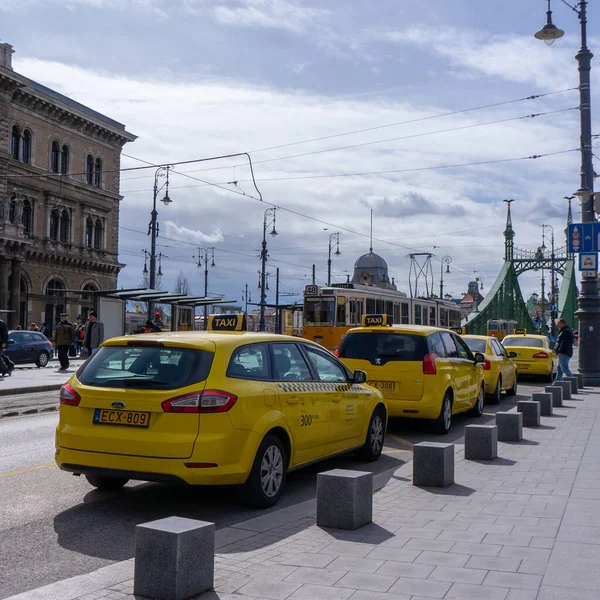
28	379
523	527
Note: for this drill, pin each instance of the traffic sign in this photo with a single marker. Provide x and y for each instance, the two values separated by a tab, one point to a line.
584	237
589	273
553	308
588	261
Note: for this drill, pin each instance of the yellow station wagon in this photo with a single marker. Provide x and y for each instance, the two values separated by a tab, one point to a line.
532	355
422	372
213	408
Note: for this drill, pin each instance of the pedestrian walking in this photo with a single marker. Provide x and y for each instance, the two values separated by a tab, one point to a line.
149	327
158	320
6	365
576	338
564	349
33	327
94	334
46	330
64	335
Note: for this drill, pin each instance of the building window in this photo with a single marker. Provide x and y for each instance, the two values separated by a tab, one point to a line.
27	217
89	169
89	232
54	219
55	157
98	234
55	287
91	288
27	146
65	226
12	209
64	160
15	142
98	179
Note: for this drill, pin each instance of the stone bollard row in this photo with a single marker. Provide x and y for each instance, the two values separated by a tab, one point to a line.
580	380
510	426
574	381
481	442
531	412
433	464
545	401
557	394
566	388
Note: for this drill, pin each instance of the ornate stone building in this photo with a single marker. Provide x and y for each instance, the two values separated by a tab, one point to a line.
59	200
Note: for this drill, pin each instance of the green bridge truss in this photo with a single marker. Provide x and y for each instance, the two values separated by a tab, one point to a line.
505	299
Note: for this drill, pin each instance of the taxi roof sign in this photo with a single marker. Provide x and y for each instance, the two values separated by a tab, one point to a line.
460	330
236	322
375	321
520	332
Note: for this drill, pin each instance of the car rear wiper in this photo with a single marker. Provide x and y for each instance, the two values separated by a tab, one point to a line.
133	381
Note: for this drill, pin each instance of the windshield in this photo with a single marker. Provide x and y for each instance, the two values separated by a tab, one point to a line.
476	345
523	342
319	311
380	348
145	367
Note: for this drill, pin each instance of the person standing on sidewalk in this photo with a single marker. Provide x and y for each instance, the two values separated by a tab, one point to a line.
564	349
6	365
94	334
64	336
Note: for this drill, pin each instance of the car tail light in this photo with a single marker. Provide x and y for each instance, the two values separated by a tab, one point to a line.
68	396
486	365
208	401
540	355
429	364
337	352
51	346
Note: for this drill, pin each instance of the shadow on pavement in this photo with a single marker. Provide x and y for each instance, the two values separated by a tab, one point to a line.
456	489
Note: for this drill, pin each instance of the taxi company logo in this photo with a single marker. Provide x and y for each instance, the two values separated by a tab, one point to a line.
374	320
229	323
118	404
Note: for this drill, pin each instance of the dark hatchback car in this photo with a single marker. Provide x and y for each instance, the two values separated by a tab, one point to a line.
29	347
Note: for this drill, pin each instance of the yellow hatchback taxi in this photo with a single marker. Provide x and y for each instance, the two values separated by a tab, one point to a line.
423	372
532	354
499	371
213	408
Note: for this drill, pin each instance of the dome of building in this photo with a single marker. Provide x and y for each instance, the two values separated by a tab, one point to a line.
371	269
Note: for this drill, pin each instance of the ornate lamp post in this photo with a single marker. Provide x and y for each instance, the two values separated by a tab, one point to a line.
589	300
333	238
153	226
445	261
269	218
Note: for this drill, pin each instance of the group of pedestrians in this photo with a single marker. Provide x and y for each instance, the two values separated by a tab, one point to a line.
88	337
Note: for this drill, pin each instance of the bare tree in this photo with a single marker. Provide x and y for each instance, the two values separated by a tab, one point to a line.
182	286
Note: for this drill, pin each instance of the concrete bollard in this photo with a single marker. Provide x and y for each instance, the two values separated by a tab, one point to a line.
481	442
531	412
557	394
344	499
433	464
574	384
566	388
545	401
580	380
174	558
510	426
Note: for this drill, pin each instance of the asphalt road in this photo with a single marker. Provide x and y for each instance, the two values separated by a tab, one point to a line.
54	525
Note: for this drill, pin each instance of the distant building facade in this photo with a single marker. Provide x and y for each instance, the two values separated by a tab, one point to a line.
471	300
59	201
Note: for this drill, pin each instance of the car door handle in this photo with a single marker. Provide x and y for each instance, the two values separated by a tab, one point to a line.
292	400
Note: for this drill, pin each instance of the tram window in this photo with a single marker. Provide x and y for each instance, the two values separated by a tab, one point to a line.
371	310
320	311
432	316
389	311
443	317
397	318
418	314
341	310
405	317
379	307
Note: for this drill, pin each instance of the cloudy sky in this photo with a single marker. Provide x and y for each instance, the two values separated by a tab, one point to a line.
414	110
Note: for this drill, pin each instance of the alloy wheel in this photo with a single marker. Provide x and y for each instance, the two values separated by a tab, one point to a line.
447	414
271	471
376	434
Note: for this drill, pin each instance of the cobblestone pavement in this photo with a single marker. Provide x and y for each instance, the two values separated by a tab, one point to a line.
525	526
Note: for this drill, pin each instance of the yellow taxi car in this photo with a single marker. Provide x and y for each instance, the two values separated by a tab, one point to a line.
423	372
213	408
532	354
499	371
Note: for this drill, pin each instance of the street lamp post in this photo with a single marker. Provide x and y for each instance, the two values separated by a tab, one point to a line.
552	282
153	226
269	218
445	261
589	300
333	236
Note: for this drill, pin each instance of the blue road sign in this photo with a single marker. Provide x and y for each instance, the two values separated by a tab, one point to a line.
588	261
584	237
553	308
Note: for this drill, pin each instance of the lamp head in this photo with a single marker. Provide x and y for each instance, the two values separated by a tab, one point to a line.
549	32
337	252
273	231
447	268
166	200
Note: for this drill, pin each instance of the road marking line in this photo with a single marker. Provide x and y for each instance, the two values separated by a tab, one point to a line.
28	470
399	439
395	451
489	414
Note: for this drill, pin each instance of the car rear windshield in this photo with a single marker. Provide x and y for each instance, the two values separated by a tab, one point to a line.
143	367
523	342
475	345
379	348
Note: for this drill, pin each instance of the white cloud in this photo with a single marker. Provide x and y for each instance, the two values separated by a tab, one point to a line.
193	235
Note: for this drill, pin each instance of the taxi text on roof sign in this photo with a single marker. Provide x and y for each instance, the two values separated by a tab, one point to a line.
460	330
375	320
227	322
520	331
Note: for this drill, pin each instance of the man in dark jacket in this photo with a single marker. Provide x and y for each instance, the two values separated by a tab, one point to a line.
64	336
564	349
6	365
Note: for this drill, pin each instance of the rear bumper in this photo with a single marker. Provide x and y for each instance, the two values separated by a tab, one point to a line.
136	475
533	368
428	407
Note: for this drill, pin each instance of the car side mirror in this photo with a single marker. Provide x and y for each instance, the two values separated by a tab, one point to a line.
479	358
359	377
512	354
11	341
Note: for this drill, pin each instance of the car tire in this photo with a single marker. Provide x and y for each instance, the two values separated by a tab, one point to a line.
496	396
477	410
42	359
513	390
373	445
271	459
443	423
106	483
